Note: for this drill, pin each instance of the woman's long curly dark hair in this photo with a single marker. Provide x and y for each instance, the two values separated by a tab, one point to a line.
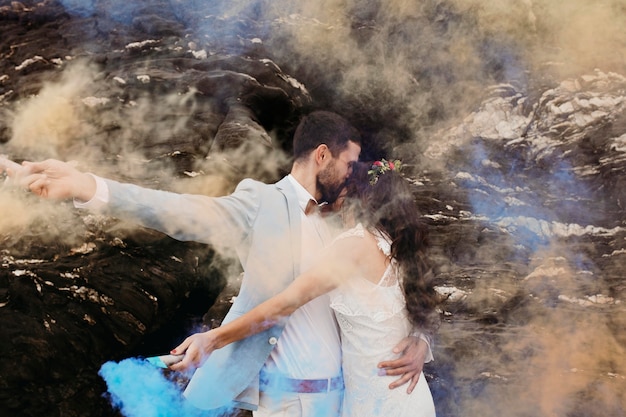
389	206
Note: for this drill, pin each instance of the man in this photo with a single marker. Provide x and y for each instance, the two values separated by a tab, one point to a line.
274	239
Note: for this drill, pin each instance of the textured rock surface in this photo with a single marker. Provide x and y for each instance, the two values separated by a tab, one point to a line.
524	191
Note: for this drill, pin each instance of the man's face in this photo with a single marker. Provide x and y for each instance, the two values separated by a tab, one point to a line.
332	178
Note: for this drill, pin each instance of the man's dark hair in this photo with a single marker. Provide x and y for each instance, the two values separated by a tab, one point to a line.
323	127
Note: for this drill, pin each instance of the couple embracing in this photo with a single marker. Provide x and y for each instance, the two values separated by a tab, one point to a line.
326	323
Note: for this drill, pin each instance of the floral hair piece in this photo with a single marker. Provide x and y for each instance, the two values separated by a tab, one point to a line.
380	167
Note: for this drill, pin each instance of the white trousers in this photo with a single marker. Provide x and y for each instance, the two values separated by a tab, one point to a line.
293	404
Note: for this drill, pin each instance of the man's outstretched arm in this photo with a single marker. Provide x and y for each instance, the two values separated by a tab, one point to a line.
55	180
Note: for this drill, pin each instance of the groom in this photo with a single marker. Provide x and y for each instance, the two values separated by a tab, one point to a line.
266	225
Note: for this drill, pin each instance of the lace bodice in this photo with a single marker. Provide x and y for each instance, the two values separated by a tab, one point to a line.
373	319
361	297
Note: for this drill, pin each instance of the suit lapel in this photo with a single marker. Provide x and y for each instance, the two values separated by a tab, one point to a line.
295	224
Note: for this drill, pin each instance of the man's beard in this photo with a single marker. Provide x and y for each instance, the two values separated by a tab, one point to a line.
329	186
330	194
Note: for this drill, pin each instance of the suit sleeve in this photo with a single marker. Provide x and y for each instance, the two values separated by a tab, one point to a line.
220	221
426	338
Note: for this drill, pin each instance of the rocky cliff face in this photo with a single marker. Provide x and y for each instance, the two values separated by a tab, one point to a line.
515	149
535	282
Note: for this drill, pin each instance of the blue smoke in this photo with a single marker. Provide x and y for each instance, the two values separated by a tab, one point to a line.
528	203
82	8
139	389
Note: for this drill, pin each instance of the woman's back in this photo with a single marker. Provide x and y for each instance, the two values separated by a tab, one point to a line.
372	317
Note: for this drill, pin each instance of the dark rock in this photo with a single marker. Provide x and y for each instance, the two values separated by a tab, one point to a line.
157	26
524	196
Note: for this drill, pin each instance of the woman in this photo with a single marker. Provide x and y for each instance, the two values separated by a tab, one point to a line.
377	277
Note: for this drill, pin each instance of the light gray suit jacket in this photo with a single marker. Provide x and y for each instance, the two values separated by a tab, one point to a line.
262	223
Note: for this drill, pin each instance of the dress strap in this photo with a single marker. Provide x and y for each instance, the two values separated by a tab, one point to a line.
383	241
390	277
356	231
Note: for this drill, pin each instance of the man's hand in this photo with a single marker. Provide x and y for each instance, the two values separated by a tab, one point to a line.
6	165
56	180
409	365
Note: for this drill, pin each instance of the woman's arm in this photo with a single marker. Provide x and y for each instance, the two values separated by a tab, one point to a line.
336	263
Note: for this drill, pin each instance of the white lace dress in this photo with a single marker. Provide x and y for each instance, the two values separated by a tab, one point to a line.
373	319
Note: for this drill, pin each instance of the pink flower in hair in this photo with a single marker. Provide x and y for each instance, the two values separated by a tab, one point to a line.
378	168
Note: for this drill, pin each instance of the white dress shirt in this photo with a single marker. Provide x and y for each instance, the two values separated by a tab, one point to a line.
309	347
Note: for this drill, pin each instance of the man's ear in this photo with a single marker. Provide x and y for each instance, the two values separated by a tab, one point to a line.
322	152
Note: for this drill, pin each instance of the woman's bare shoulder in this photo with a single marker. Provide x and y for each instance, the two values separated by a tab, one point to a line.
355	244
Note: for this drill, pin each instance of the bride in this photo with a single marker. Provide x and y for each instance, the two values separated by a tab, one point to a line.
377	280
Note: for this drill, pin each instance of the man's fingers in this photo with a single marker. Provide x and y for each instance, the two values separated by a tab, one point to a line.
413	383
36	183
399	370
400	381
397	364
19	176
411	377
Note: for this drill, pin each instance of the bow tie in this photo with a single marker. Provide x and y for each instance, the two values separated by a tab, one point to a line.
313	207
